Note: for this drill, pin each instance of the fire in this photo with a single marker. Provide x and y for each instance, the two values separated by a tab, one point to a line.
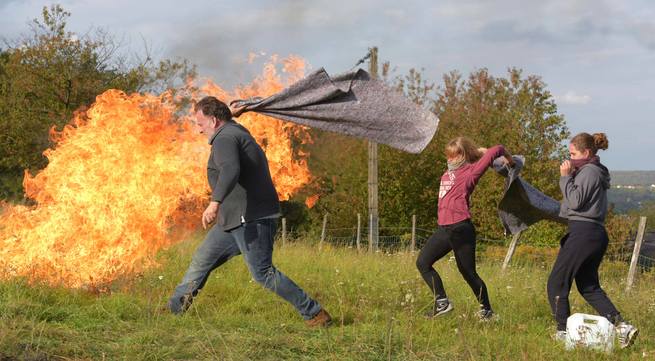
124	177
289	171
310	202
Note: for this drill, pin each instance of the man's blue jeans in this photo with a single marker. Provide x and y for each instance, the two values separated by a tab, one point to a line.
255	241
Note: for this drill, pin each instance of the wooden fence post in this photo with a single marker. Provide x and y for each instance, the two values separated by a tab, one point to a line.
412	246
284	231
510	251
635	253
320	245
359	231
373	228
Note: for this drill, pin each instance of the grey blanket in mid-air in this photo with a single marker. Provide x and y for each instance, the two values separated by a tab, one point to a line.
522	204
351	103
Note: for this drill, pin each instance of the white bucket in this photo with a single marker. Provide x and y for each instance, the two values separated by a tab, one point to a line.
595	332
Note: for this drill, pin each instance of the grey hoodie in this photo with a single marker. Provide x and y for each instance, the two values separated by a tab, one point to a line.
585	195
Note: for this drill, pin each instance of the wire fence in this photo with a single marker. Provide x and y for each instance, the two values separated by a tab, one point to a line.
409	239
391	239
645	259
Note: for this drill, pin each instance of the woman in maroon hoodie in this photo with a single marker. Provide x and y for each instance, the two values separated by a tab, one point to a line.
466	164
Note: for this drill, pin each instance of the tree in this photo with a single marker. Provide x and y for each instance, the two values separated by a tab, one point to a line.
48	74
338	164
515	111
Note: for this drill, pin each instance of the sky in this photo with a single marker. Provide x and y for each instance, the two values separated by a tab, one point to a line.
595	56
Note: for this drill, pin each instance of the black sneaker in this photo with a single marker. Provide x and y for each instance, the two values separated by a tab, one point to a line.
441	306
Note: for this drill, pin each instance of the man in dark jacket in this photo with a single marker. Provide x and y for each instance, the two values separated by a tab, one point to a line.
246	223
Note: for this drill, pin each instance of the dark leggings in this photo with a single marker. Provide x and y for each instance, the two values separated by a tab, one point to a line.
581	252
460	238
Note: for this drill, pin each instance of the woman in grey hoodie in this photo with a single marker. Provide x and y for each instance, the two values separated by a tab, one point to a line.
584	183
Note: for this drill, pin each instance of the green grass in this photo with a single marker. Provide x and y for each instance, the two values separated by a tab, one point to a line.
377	302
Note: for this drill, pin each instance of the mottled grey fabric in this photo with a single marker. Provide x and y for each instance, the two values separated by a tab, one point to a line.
354	104
522	205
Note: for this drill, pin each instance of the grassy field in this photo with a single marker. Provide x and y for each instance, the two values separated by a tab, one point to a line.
377	302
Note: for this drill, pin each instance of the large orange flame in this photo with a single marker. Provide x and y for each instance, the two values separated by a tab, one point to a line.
123	177
289	171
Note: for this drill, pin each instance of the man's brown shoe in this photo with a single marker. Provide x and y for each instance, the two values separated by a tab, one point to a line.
322	319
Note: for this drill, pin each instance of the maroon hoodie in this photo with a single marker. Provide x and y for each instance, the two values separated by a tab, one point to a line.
456	187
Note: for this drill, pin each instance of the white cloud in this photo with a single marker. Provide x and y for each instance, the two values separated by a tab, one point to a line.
572	98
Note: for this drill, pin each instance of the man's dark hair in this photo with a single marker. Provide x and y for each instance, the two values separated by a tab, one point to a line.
210	106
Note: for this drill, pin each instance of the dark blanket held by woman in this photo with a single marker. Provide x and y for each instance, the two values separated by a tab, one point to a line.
522	204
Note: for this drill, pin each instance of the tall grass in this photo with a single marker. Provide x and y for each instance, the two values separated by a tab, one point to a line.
377	301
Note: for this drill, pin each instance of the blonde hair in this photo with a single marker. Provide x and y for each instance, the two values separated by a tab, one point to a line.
594	142
463	146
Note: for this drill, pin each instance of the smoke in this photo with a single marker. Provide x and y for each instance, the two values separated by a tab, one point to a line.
220	42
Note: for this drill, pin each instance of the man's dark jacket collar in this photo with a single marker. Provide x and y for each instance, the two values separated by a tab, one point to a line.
211	140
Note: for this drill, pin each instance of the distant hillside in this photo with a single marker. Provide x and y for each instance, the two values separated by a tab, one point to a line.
625	199
634	178
630	189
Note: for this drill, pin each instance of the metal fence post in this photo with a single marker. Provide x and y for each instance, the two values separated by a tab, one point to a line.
284	231
370	235
359	231
412	246
320	245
